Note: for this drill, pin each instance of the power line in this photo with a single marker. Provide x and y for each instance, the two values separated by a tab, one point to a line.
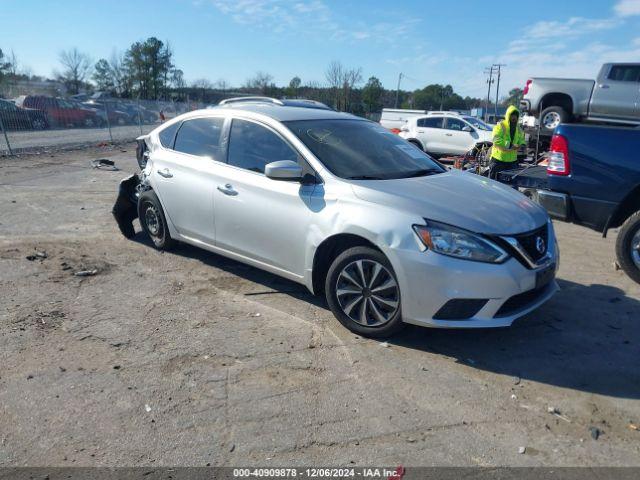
499	66
489	71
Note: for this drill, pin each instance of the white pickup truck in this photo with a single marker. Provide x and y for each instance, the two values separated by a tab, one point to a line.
614	97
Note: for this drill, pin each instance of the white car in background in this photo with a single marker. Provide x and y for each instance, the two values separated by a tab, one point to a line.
446	133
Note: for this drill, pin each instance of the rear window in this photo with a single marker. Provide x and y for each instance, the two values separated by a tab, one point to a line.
430	122
168	134
200	137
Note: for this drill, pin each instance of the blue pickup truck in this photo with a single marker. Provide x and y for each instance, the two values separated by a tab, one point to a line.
593	179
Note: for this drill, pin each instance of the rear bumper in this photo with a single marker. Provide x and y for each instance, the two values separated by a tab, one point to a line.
585	211
556	204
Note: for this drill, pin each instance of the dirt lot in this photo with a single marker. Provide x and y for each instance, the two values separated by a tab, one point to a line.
186	358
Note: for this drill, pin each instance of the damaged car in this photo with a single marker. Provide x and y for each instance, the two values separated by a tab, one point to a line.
339	204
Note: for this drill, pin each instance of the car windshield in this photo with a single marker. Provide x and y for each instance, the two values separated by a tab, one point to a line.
479	124
363	150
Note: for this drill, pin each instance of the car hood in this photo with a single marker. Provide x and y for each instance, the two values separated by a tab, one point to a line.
460	199
485	135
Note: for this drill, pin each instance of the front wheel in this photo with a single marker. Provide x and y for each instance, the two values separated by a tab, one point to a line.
628	247
153	220
363	292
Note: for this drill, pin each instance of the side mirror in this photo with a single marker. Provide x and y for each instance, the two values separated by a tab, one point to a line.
286	170
467	128
404	128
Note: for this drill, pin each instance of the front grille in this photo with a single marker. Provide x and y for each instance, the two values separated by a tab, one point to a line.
520	301
529	242
460	308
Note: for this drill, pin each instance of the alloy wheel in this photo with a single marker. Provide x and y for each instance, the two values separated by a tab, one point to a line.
551	120
368	293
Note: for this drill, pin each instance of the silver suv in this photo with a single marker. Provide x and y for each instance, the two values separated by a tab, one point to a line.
346	208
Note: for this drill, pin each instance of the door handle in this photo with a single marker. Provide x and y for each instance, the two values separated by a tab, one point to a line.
603	85
165	173
449	134
228	190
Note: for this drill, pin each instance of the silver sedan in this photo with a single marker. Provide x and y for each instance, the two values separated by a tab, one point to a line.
337	203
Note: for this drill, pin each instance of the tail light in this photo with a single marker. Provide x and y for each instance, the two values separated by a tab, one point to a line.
526	87
395	130
559	156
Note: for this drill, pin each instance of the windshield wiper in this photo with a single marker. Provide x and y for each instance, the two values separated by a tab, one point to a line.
364	177
421	173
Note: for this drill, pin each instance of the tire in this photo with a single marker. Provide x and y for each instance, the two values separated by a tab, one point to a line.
153	221
553	116
628	247
38	124
89	123
343	286
416	144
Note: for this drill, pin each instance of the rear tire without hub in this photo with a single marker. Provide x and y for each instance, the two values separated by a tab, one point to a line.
363	292
628	247
153	221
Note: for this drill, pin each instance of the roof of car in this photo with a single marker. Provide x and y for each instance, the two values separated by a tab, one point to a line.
285	113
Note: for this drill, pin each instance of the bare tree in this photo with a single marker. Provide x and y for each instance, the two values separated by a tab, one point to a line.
350	79
223	85
203	85
13	60
261	82
342	80
334	75
77	66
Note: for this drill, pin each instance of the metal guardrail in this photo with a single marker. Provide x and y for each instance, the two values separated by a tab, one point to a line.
39	122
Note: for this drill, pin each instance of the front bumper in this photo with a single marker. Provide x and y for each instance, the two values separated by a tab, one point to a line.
428	281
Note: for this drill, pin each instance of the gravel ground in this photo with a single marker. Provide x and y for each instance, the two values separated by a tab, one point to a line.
187	358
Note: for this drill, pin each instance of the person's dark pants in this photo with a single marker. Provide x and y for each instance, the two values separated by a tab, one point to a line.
496	166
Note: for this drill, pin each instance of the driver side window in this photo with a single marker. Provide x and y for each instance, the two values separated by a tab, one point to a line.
252	146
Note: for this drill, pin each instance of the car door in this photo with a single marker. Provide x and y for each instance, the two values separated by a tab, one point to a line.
617	96
185	174
458	141
256	217
429	132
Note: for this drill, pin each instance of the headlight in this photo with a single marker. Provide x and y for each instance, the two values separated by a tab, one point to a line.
458	243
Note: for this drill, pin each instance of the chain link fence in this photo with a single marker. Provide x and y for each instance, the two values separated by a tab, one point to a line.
42	122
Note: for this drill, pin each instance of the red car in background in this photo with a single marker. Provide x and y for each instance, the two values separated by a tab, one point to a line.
61	112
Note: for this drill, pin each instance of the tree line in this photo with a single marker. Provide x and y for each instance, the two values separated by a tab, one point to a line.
147	70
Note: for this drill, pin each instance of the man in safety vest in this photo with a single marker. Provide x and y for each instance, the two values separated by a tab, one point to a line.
507	138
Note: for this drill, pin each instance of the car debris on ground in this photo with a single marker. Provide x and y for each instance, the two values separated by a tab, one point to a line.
86	273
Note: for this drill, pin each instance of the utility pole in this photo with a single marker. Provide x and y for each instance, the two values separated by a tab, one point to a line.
498	66
488	71
398	89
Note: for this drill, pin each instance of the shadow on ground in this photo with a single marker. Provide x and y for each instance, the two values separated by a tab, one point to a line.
585	338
